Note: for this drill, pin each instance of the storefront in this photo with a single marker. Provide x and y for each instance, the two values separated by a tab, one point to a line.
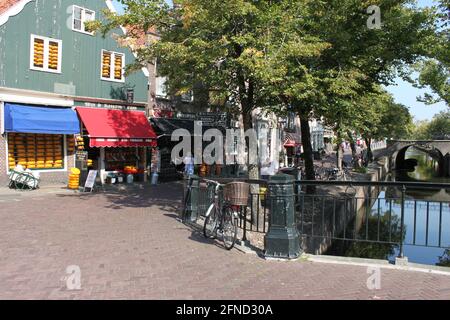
39	138
166	126
293	147
118	143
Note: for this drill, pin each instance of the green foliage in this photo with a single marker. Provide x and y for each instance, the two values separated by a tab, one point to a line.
377	250
316	58
444	261
437	128
361	170
434	69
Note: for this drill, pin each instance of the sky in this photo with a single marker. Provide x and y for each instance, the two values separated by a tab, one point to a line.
402	91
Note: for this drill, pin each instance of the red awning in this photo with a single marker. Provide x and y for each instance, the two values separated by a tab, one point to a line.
291	140
117	128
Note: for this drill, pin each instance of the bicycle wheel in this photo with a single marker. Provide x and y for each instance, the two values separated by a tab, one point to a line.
211	223
229	225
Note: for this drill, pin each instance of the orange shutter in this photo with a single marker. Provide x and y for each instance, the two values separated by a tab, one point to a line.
38	50
118	67
106	65
53	55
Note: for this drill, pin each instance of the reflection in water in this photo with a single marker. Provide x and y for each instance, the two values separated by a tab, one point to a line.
422	208
426	169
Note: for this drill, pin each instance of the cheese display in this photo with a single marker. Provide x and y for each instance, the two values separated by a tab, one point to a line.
74	179
35	151
118	67
53	55
106	66
38	58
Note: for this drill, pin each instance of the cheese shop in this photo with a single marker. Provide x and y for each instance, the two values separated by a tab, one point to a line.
118	142
39	138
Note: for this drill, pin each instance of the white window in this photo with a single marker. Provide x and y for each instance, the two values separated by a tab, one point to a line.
113	65
79	17
161	87
45	54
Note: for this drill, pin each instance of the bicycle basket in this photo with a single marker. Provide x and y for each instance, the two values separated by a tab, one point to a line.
236	193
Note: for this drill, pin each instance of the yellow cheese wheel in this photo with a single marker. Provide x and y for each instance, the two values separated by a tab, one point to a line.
75	171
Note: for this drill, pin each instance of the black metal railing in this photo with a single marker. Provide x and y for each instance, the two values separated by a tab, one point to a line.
253	217
387	214
370	212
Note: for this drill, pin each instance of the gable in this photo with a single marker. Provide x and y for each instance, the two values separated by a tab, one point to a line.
79	72
9	8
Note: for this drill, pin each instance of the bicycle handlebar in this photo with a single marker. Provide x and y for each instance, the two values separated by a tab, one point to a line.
212	181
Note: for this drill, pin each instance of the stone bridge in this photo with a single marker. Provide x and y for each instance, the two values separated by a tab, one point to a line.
439	150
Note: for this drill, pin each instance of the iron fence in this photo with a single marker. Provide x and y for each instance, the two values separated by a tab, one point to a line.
380	213
377	213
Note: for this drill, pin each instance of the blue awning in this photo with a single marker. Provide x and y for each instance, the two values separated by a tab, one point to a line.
33	119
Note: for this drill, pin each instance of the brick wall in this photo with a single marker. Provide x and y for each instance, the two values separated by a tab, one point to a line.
47	178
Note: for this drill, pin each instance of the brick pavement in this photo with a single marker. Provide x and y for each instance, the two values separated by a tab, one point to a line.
129	245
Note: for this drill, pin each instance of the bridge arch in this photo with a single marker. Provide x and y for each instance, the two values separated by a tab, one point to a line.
401	163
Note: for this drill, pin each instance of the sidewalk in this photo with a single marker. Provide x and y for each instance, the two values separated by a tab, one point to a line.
131	245
6	192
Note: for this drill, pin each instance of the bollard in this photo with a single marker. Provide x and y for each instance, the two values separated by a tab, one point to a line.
282	239
191	199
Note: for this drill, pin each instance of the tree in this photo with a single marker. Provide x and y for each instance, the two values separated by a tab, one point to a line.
323	58
434	68
218	44
311	57
437	128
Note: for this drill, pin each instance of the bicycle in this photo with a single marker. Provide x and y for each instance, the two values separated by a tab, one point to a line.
221	217
336	174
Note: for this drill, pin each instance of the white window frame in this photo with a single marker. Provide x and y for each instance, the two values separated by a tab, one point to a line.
83	19
46	54
111	70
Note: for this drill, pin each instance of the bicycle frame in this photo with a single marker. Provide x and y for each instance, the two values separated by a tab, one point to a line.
217	203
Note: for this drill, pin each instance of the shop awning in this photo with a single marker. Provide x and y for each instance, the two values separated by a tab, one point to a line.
166	126
117	128
291	140
47	120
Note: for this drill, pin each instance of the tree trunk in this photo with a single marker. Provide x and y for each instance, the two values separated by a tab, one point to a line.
369	150
253	172
339	156
352	145
308	151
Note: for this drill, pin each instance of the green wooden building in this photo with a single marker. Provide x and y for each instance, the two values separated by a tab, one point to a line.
50	62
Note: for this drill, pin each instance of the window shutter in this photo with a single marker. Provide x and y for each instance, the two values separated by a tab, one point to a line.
118	67
53	55
106	66
38	53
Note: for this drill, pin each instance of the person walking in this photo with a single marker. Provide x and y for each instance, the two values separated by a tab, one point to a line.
188	164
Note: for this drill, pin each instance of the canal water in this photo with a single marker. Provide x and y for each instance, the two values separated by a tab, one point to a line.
426	236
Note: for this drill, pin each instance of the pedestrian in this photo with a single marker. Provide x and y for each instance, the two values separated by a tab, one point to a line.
188	164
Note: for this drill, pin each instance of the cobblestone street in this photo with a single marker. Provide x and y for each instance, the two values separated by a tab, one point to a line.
130	245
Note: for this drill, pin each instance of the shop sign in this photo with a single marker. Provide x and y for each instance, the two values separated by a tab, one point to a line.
210	119
90	181
112	106
81	156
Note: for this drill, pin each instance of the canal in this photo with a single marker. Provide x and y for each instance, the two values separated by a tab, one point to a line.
427	219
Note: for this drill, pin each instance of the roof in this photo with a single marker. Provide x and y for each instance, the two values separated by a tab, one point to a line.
6	4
